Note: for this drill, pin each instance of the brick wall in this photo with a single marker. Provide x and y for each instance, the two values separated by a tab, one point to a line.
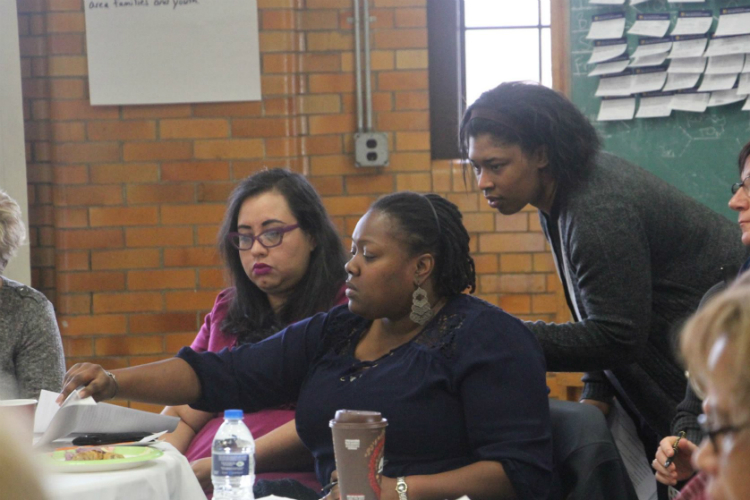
125	201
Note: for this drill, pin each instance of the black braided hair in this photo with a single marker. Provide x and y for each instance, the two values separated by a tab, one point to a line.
430	223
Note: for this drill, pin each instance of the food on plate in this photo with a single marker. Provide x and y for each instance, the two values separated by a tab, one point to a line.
91	454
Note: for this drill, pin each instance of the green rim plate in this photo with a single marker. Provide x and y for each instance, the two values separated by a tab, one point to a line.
134	456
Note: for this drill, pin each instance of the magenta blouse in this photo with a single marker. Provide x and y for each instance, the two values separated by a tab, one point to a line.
212	338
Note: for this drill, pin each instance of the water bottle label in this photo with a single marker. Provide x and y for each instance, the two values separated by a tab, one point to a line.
231	464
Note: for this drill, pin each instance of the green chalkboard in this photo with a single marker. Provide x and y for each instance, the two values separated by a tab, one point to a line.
696	152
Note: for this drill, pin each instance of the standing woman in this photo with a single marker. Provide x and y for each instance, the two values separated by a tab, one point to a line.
635	254
31	352
461	383
286	263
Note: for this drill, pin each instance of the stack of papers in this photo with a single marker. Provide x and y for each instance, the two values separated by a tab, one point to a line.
85	416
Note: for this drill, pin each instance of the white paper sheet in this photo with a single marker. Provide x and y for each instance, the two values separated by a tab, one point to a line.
78	415
636	2
686	1
688	65
654	25
692	22
692	101
724	65
746	106
729	45
604	26
688	46
681	81
604	50
743	88
746	67
646	80
733	21
724	97
713	83
614	86
652	60
648	47
172	51
610	68
632	452
654	106
616	109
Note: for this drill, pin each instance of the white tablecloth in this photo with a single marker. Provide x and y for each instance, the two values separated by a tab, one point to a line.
167	477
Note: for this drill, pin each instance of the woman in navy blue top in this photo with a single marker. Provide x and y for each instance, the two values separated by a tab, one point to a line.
461	382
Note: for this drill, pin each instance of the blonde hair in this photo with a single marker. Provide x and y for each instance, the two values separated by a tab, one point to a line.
12	230
727	315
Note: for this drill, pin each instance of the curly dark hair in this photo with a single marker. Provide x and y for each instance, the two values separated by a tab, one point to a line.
250	317
533	116
744	154
432	224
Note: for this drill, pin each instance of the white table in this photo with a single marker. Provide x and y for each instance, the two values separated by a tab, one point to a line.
167	477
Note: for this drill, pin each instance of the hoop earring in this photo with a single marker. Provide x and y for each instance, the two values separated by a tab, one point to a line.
421	310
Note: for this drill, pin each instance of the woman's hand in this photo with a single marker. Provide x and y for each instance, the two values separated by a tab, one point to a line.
334	493
202	470
680	469
93	378
387	488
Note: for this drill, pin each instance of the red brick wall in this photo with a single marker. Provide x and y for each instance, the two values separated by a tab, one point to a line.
125	200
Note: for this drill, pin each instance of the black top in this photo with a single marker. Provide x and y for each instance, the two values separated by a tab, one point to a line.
470	387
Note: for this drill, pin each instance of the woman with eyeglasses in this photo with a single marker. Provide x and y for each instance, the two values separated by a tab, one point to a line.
461	383
680	467
286	263
716	346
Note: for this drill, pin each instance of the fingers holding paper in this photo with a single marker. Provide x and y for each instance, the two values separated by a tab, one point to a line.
92	378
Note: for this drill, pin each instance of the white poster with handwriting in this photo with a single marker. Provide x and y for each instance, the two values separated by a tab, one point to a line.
172	51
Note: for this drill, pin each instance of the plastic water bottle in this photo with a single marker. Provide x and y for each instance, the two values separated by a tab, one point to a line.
233	459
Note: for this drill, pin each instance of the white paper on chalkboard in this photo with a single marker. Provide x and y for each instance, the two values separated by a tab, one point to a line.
616	109
733	21
746	106
654	107
688	48
693	22
729	45
680	81
724	65
688	65
172	51
725	97
744	86
712	83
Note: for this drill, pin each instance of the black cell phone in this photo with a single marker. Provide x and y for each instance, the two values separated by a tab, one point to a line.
109	438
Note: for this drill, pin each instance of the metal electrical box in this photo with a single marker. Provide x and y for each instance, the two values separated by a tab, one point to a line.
371	149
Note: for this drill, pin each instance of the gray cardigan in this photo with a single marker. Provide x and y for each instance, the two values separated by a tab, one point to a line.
31	352
635	255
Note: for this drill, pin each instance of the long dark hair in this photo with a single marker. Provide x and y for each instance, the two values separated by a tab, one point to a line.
430	223
533	116
250	317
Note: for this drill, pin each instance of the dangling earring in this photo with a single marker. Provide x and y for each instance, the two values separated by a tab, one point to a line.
421	310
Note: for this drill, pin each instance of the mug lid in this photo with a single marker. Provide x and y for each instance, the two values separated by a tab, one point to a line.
357	417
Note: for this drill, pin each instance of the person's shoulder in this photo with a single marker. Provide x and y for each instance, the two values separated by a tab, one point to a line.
478	318
22	292
478	325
